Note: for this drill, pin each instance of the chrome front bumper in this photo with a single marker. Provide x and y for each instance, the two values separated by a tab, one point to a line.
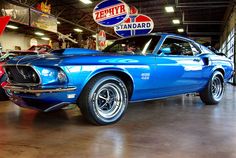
29	90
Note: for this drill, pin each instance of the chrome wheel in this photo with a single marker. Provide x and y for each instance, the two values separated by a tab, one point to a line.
108	101
217	88
104	100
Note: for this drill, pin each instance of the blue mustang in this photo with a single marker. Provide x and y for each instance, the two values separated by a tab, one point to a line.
132	69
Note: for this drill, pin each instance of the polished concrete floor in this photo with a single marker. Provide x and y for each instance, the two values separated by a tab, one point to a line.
177	127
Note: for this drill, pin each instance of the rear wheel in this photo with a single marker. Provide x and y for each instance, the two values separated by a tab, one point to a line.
213	92
104	100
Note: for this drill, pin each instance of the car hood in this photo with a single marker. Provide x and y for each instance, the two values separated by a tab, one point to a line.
75	57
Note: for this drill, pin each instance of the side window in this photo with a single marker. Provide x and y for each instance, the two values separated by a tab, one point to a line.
177	47
195	50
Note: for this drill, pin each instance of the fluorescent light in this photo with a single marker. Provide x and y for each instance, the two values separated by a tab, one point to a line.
39	33
181	30
169	9
86	1
58	22
78	30
45	38
12	27
176	21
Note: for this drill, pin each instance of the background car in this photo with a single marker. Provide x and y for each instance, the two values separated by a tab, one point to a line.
130	70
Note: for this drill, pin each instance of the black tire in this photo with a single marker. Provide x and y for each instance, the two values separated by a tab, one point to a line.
104	100
213	92
3	95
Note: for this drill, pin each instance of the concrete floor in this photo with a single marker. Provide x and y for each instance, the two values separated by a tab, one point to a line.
175	127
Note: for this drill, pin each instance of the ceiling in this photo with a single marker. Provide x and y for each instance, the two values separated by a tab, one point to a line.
204	18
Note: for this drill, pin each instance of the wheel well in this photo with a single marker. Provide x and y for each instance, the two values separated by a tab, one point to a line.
123	76
221	71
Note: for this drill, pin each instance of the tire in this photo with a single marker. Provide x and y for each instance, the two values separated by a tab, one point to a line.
104	100
3	95
214	91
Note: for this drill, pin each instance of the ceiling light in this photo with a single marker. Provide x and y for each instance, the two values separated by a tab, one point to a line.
12	27
58	22
39	33
176	21
86	1
169	9
45	38
181	30
78	30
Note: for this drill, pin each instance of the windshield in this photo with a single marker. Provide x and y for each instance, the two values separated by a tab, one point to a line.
134	45
39	48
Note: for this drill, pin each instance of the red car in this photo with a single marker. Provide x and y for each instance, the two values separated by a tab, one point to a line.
34	50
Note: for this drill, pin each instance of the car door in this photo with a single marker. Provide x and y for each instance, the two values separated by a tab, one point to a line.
179	69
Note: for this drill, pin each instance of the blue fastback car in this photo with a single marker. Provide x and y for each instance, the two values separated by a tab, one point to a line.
102	83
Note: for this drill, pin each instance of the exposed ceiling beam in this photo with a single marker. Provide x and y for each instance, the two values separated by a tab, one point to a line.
204	33
203	22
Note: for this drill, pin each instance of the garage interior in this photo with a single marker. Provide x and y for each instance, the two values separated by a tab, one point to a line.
180	126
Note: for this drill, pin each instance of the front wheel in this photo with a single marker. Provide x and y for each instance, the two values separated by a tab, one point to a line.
213	92
104	100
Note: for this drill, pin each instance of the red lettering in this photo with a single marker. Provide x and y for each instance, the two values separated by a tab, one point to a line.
102	14
111	11
97	15
122	8
116	10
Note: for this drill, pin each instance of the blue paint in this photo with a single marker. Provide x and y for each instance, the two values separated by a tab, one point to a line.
153	75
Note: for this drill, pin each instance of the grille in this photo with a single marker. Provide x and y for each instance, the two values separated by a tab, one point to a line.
22	74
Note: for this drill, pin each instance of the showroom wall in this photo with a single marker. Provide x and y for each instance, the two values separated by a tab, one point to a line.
11	39
228	38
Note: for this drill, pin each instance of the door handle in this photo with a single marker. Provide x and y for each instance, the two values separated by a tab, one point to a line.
197	60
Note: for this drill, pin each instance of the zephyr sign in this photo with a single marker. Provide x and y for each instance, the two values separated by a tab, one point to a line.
110	13
135	25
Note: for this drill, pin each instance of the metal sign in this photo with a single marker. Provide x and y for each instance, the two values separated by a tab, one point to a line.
110	13
135	25
133	10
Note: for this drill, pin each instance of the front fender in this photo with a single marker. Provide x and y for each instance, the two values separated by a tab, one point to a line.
106	70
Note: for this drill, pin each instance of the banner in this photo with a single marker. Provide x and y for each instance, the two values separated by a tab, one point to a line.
17	13
3	23
43	21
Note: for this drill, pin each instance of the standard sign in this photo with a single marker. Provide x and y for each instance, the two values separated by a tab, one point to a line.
110	13
135	25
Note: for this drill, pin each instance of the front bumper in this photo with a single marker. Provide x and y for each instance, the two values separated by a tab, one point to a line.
30	90
42	99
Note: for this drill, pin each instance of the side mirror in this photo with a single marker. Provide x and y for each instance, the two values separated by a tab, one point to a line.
165	50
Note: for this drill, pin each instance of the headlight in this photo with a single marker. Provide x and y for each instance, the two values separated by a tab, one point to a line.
61	77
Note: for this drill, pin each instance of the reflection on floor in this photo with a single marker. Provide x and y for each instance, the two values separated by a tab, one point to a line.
175	127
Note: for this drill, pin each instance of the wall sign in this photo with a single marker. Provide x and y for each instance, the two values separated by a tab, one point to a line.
17	13
135	25
44	7
110	13
133	10
43	21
